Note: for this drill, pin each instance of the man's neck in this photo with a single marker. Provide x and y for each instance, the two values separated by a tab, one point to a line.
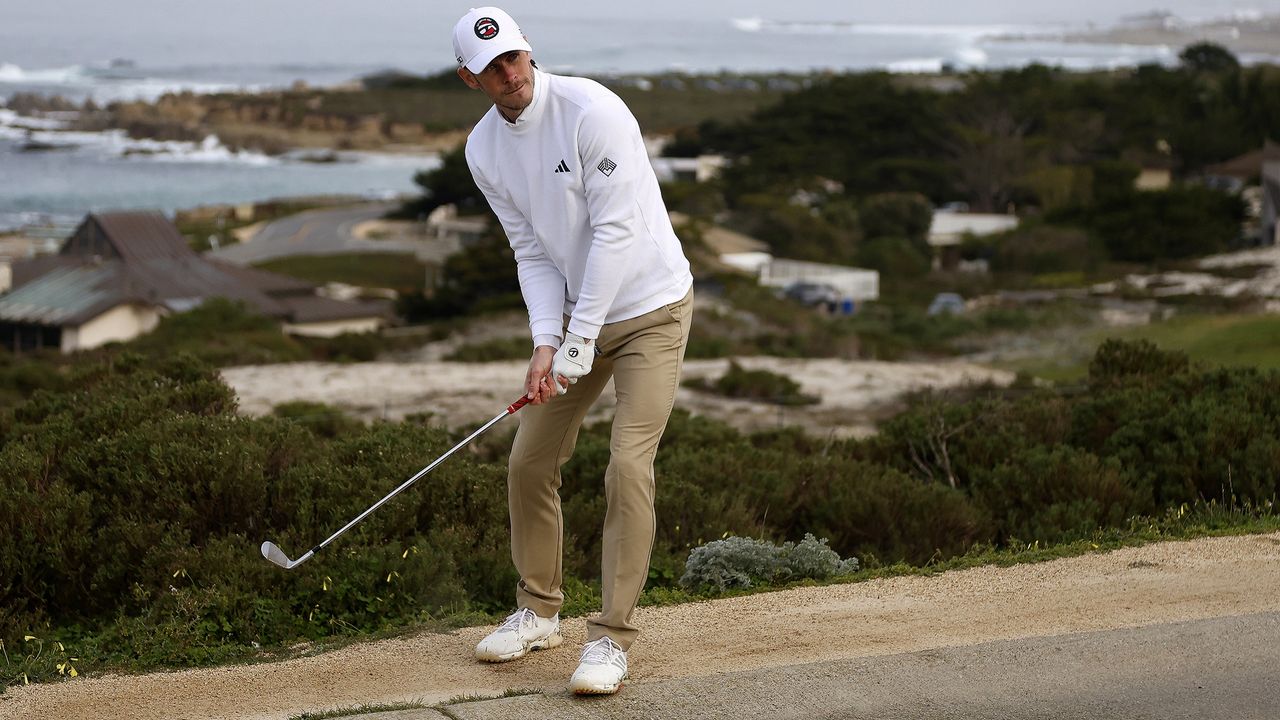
512	115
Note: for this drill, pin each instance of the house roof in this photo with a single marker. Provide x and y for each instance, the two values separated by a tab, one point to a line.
26	270
66	295
148	261
949	228
134	236
271	283
1248	165
314	308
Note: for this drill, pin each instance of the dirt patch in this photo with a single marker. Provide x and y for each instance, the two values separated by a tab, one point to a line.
1134	587
854	395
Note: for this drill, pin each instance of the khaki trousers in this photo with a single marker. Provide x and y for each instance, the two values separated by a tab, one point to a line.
644	356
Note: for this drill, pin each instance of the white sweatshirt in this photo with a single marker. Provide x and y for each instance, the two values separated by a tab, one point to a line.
571	182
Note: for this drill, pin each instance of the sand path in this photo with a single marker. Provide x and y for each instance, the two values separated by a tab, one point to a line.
1133	587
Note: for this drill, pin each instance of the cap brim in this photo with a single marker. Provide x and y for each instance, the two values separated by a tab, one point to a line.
481	60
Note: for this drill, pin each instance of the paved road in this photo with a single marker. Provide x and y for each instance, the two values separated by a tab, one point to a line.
1217	669
327	232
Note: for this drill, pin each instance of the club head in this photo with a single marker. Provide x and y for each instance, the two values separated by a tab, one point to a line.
272	552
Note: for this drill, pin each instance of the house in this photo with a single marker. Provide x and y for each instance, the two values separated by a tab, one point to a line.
839	287
1153	178
1235	174
120	273
685	169
949	228
1270	234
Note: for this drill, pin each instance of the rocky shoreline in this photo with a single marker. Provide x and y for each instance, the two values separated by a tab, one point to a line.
1242	35
257	122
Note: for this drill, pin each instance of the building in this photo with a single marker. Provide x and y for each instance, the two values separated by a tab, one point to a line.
120	273
695	169
1270	229
1238	174
948	230
840	287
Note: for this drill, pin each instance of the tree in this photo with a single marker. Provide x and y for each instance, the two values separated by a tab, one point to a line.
449	184
1207	57
902	215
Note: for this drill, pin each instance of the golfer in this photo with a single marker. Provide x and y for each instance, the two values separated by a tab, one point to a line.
563	165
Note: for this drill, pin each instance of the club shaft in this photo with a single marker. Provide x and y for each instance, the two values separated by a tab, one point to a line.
496	418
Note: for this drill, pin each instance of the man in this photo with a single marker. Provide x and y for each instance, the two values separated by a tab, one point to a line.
563	165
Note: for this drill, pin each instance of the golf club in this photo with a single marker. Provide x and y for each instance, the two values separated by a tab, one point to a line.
272	552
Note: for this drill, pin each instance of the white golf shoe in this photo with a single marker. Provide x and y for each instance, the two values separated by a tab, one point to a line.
602	670
521	632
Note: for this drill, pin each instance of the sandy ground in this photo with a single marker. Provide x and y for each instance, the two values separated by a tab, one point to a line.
1134	587
853	394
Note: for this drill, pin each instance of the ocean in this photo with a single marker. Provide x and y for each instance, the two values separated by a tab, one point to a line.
140	49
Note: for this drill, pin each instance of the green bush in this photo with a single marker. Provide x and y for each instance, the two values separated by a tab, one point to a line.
739	382
1045	249
134	499
510	348
737	563
898	215
222	332
322	420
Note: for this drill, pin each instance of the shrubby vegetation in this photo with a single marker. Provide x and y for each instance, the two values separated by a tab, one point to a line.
763	385
739	562
817	174
134	499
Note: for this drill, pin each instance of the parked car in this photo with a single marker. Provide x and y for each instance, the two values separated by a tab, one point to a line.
811	293
946	304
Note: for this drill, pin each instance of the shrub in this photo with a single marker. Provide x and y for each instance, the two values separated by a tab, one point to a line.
323	420
899	215
1046	249
511	348
764	385
738	562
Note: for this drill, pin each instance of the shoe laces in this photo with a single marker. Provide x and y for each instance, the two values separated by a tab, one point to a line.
604	652
517	620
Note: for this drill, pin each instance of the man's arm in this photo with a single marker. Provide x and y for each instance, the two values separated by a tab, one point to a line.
612	154
541	283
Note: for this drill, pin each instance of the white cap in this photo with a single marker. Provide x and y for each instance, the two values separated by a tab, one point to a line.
483	34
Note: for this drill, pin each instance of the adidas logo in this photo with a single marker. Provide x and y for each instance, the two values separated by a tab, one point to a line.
562	167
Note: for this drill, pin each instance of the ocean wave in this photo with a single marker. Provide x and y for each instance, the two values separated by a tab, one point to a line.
11	119
11	73
805	27
105	84
117	144
917	65
209	150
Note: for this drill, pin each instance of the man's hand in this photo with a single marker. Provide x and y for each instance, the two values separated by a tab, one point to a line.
572	361
537	382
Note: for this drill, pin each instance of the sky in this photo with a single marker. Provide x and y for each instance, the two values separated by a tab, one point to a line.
52	33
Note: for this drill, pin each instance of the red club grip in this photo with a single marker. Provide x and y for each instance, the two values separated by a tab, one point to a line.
524	400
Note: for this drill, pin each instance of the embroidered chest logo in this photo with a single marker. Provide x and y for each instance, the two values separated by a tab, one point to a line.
607	166
562	167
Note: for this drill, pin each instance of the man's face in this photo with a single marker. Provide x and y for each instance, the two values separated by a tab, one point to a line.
507	81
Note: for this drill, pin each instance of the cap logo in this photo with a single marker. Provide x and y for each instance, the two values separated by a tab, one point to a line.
486	28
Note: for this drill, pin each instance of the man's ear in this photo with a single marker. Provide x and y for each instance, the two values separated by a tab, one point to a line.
469	78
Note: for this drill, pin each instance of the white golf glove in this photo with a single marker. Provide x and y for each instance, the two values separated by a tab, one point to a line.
572	360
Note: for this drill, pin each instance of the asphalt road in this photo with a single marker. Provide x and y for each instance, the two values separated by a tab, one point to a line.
321	232
1217	669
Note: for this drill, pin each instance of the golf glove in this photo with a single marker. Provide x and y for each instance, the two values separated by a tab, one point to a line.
572	360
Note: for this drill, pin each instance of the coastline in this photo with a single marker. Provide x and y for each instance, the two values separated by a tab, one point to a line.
1254	36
